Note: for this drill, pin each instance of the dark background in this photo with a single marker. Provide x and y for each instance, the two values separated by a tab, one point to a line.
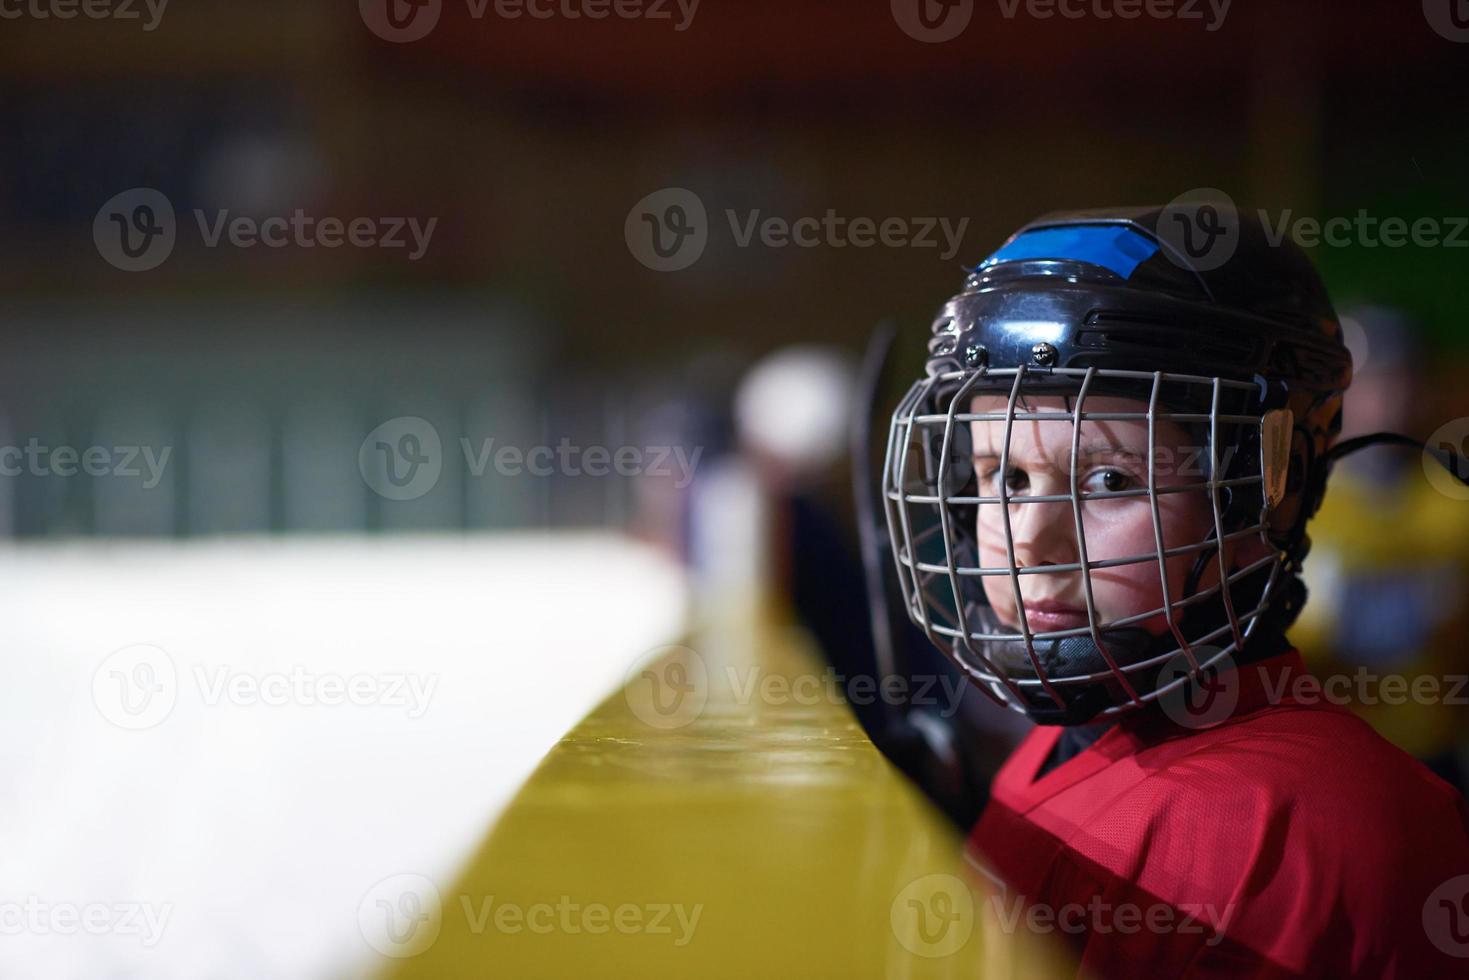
530	141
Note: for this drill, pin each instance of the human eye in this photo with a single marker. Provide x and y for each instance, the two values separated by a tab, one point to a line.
1016	480
1109	479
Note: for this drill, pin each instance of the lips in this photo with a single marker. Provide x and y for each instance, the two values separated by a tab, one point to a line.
1049	615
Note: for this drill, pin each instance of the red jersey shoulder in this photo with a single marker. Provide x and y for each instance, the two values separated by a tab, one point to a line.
1315	782
1318	766
1304	837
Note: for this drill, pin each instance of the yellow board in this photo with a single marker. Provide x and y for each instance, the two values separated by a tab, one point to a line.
723	816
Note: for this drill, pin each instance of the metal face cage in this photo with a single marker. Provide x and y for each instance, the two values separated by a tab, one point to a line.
944	519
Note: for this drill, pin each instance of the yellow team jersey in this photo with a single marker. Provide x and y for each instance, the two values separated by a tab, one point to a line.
1387	574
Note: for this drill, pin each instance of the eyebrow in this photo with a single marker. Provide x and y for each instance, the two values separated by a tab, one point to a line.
1088	450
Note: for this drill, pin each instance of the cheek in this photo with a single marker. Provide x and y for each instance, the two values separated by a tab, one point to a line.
998	590
1127	590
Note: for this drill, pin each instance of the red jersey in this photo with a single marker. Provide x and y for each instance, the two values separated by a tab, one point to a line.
1288	840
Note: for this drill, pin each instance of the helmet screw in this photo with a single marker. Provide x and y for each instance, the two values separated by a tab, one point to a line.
974	355
1043	354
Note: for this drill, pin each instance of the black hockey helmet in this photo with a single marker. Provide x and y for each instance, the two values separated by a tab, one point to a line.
1195	314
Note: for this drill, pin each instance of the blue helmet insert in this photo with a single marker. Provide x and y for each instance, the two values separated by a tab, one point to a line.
1117	248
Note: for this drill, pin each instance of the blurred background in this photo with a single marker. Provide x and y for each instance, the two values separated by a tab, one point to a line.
420	335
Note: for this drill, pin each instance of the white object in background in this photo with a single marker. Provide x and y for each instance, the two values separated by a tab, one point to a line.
796	405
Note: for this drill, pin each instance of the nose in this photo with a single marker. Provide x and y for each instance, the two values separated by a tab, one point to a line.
1044	534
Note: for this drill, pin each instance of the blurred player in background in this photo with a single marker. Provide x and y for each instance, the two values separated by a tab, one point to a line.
1389	566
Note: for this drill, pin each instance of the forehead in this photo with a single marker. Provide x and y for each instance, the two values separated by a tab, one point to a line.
1130	434
1061	404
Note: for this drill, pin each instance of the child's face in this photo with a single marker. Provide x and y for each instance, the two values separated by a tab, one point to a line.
1112	456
